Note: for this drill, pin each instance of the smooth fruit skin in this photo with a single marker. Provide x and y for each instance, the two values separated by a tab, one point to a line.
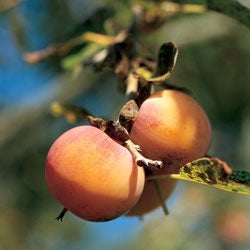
93	176
149	199
172	127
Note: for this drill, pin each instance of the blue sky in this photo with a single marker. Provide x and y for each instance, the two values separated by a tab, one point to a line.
19	80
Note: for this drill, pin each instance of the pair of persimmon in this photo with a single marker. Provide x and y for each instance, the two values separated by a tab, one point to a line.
97	179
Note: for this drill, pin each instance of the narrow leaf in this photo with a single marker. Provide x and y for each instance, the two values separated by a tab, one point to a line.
72	60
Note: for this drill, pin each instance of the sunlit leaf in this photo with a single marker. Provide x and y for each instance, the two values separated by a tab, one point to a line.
215	173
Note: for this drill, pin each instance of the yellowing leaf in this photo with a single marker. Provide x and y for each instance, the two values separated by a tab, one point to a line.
215	173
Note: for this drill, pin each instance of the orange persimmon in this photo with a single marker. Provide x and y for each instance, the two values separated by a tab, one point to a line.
93	176
172	127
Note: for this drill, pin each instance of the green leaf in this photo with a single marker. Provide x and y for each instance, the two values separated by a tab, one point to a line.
215	173
240	176
88	51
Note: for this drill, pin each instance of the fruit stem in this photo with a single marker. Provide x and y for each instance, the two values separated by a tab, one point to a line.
140	159
61	215
159	193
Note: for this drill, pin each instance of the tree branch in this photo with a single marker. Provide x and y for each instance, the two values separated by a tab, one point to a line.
232	9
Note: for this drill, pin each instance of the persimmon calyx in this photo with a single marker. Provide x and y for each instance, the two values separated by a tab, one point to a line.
118	133
112	128
128	114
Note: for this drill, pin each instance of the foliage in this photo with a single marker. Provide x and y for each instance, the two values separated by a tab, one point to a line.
210	67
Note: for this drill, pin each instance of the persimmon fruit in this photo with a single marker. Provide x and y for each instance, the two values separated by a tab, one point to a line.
93	176
172	127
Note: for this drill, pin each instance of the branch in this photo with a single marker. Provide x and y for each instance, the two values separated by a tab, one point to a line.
232	9
119	134
139	158
64	48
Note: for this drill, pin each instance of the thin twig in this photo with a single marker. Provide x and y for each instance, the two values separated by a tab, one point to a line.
140	159
64	48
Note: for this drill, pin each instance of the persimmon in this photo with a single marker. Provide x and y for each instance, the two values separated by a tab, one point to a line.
172	127
150	198
93	176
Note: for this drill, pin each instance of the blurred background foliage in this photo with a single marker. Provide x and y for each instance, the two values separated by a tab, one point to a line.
213	62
